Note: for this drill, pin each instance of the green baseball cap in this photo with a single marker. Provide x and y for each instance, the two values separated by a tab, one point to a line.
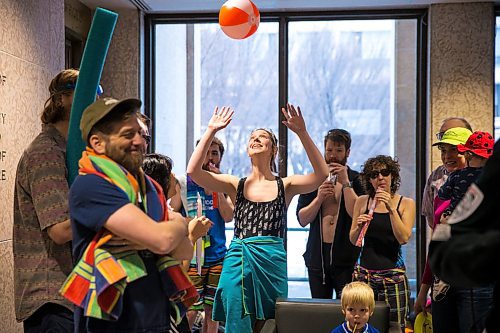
100	108
455	136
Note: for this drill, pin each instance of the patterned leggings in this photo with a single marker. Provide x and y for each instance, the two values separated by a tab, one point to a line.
390	286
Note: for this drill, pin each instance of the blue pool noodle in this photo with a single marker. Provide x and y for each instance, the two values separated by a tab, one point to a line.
94	55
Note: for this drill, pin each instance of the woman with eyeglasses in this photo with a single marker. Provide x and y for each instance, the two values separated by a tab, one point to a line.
382	221
254	272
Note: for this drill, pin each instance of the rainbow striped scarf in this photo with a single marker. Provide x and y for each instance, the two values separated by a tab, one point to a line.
98	281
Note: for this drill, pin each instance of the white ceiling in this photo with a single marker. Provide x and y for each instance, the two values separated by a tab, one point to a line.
176	6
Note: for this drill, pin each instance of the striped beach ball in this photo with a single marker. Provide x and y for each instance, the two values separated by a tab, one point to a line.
239	19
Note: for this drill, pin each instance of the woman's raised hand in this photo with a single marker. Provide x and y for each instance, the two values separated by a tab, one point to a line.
384	197
294	120
221	118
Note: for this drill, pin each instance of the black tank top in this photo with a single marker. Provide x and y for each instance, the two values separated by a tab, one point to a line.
259	218
381	249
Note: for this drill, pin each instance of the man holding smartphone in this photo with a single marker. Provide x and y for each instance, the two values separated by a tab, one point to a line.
329	255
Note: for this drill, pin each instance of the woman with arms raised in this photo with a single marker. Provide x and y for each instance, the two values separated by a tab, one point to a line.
254	272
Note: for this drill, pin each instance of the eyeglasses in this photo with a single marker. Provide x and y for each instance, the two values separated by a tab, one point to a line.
439	136
146	138
374	174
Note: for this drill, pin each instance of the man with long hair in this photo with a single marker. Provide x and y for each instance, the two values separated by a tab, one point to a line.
42	230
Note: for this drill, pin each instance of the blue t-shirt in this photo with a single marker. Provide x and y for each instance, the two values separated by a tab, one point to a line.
92	200
217	249
343	329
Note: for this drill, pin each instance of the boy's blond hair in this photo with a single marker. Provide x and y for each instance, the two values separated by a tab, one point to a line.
358	293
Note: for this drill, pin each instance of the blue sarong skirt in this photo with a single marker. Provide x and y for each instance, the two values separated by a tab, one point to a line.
254	275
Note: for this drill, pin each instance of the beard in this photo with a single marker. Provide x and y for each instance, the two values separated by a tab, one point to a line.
130	160
334	160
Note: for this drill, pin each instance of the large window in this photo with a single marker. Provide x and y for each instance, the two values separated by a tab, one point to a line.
360	75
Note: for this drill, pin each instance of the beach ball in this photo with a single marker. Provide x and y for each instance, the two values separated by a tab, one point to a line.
239	19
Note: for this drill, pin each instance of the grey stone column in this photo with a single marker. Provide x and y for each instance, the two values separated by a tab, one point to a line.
121	76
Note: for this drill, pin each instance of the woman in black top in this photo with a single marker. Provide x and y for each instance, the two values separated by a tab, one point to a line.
388	219
254	269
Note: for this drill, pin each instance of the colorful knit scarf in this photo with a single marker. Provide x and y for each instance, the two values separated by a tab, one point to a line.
98	281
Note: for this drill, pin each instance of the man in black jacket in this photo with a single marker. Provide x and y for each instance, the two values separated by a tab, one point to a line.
330	256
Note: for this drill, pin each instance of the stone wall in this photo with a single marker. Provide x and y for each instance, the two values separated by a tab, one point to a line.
121	73
31	53
461	82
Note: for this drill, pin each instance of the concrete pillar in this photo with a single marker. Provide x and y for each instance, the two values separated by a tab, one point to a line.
461	71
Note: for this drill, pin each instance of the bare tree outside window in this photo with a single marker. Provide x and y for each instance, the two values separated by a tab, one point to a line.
244	75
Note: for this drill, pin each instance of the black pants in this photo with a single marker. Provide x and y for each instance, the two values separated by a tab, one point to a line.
462	310
335	277
50	318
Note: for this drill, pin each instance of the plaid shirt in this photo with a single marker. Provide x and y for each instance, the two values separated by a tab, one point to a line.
40	201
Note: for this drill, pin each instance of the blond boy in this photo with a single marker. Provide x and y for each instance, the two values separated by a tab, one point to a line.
358	303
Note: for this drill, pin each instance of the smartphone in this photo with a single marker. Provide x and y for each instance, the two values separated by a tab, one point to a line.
333	178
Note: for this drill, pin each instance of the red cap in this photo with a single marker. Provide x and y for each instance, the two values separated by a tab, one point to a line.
479	143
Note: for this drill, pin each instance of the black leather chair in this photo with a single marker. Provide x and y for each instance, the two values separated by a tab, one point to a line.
299	315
